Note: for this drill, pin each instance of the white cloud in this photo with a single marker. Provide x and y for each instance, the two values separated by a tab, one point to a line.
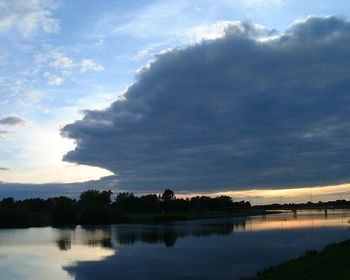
209	32
4	133
33	96
40	160
90	64
28	16
263	2
63	65
45	110
29	98
6	22
55	80
63	62
220	28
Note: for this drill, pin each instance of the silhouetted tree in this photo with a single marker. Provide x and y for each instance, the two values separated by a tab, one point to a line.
149	203
8	202
64	211
168	198
127	202
95	207
168	195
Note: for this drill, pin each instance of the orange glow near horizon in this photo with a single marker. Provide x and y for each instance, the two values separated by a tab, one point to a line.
304	219
333	192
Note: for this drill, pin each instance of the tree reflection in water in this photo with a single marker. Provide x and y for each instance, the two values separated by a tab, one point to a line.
168	234
64	244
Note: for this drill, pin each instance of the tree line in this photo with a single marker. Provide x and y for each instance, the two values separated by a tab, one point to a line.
336	204
96	207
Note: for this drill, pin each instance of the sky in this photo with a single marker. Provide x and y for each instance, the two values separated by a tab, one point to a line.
247	98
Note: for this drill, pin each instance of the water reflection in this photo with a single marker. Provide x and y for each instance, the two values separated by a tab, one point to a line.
64	244
89	236
201	249
300	220
168	234
42	253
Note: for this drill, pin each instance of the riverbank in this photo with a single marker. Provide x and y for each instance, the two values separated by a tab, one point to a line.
333	262
44	219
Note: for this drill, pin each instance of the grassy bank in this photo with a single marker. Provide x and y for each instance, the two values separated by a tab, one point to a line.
331	263
149	217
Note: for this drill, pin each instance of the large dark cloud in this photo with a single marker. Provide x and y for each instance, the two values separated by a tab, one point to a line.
236	112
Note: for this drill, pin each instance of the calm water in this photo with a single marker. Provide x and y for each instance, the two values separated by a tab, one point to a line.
202	249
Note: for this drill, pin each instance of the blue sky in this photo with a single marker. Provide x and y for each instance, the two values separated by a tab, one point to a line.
59	58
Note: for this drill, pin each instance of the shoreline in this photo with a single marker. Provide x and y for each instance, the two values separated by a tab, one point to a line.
331	262
160	218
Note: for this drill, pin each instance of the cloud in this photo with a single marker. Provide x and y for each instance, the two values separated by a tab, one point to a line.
22	191
4	133
221	28
62	66
29	98
237	112
63	62
263	2
12	121
33	97
28	17
210	32
55	80
90	64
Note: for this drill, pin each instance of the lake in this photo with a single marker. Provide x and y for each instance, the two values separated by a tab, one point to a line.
202	249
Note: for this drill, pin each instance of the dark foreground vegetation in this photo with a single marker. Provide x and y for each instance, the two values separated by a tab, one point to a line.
97	208
331	263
